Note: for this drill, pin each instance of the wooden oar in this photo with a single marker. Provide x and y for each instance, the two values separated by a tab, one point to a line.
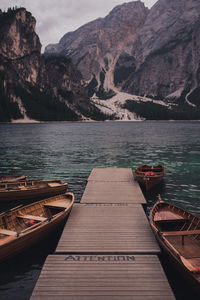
185	262
189	266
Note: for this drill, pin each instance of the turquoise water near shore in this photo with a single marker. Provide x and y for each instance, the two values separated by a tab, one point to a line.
70	151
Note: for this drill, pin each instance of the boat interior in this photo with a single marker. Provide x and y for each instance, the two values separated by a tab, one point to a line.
26	218
181	232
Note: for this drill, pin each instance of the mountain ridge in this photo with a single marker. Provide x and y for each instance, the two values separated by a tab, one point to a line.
134	64
167	36
33	86
154	56
95	47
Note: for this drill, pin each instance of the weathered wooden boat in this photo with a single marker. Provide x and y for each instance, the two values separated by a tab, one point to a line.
149	176
22	227
178	233
12	178
31	189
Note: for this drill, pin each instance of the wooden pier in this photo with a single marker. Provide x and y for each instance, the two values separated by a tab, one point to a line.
113	228
107	249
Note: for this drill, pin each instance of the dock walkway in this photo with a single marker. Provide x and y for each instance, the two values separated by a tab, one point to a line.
112	186
107	249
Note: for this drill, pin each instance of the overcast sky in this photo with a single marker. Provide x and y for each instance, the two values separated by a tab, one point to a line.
57	17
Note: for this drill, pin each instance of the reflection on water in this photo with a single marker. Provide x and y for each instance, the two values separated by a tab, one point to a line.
70	151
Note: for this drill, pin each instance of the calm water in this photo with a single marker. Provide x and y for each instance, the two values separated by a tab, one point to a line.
70	151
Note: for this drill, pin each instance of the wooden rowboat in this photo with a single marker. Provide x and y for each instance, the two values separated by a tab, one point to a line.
12	178
23	227
178	233
149	176
31	189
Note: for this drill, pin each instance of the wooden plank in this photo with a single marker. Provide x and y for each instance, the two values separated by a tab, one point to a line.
57	204
111	174
102	277
179	233
96	257
107	228
113	192
32	217
7	232
167	215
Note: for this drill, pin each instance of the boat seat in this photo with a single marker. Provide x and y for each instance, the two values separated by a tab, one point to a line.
32	217
163	216
22	187
182	233
7	232
53	184
57	204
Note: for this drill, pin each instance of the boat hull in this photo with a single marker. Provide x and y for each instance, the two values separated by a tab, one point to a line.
149	176
168	220
22	243
175	263
32	193
17	244
148	182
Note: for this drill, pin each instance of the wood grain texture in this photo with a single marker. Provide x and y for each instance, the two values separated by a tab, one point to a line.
107	228
113	192
102	277
97	255
111	174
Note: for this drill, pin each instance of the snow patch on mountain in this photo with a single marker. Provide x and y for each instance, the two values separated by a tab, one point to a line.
114	106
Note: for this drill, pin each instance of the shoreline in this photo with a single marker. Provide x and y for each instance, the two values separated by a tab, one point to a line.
94	121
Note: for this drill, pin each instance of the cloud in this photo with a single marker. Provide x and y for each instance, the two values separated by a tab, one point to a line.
57	17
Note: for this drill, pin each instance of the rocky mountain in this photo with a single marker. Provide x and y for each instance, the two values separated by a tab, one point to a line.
153	54
167	52
33	86
133	64
96	47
